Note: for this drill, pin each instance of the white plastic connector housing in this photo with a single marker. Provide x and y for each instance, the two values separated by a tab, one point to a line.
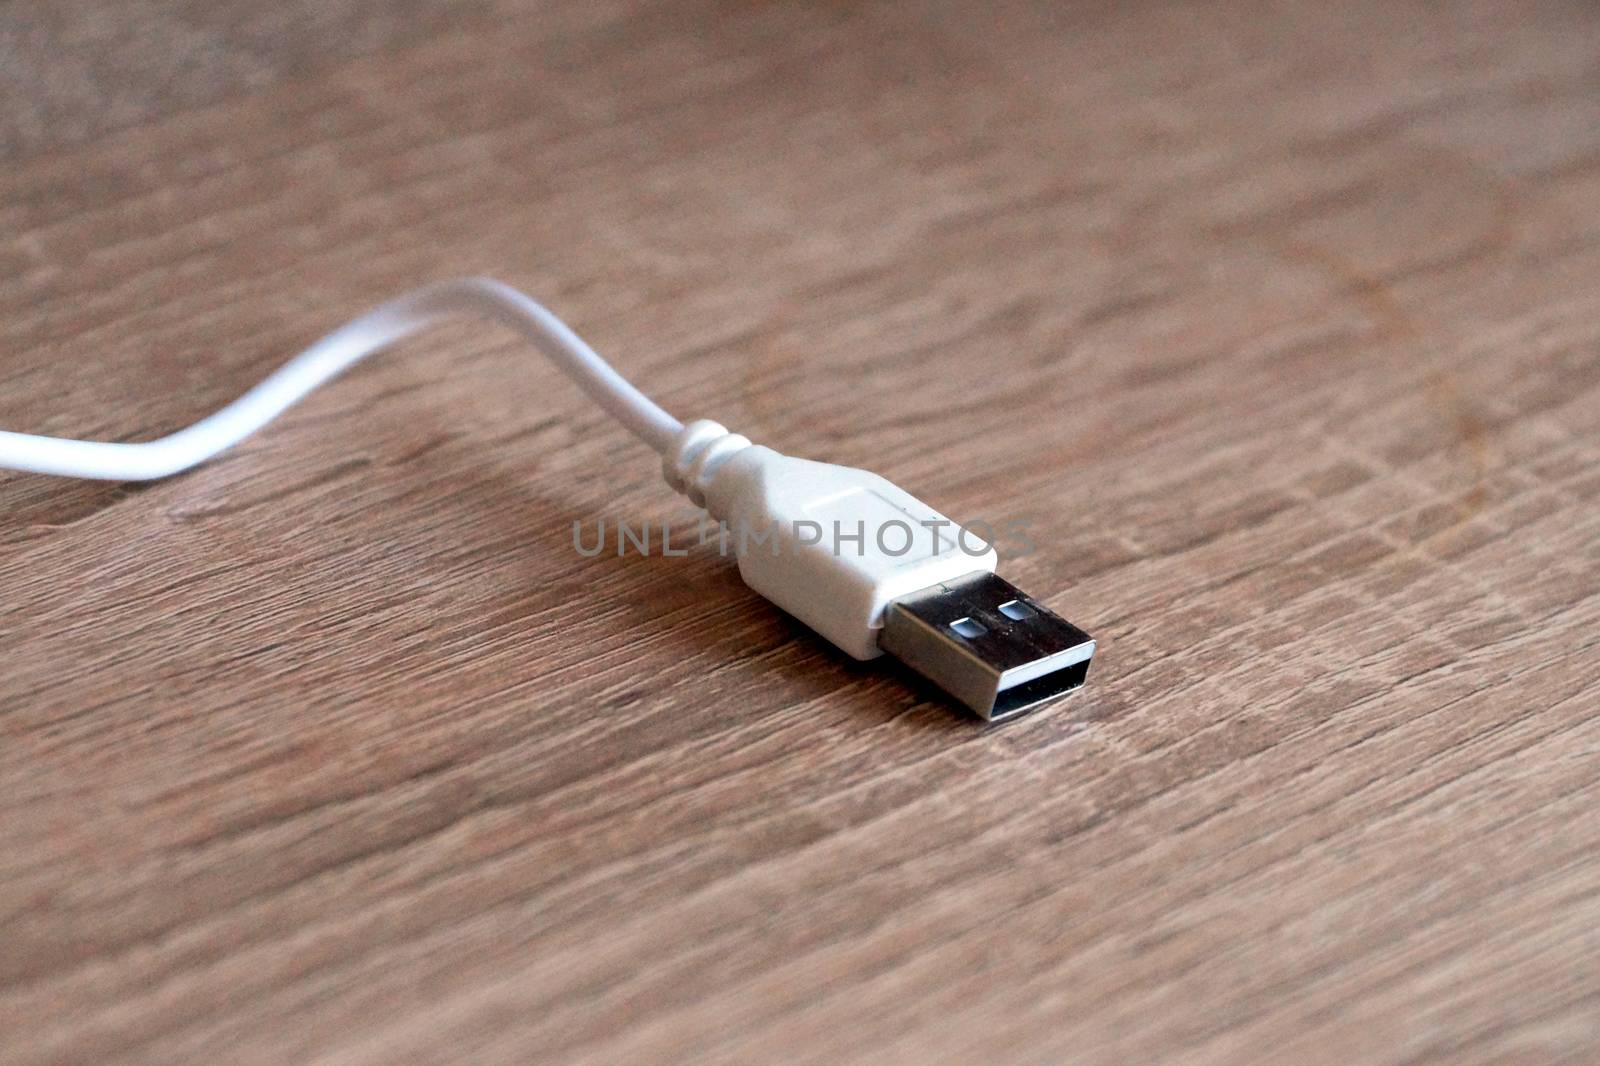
841	543
832	545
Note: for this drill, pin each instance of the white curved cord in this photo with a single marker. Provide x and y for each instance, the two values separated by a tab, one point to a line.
394	321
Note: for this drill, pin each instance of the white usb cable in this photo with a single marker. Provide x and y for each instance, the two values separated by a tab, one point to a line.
349	344
864	563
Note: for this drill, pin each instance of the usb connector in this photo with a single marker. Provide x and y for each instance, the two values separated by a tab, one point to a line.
875	570
984	642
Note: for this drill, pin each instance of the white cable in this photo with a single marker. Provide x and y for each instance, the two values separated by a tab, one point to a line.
863	562
394	321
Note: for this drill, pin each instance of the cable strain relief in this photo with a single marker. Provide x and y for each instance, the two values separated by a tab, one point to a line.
699	449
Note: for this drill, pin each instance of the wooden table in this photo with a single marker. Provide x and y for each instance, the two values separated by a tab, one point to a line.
1277	326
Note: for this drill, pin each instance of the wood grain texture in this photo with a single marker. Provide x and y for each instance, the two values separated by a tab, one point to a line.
1278	325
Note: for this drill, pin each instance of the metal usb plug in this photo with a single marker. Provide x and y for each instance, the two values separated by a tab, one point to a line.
986	643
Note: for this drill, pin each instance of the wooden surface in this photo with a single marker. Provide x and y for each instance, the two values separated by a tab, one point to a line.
1277	324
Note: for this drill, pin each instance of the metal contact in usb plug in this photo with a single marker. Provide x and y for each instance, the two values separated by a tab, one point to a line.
984	642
